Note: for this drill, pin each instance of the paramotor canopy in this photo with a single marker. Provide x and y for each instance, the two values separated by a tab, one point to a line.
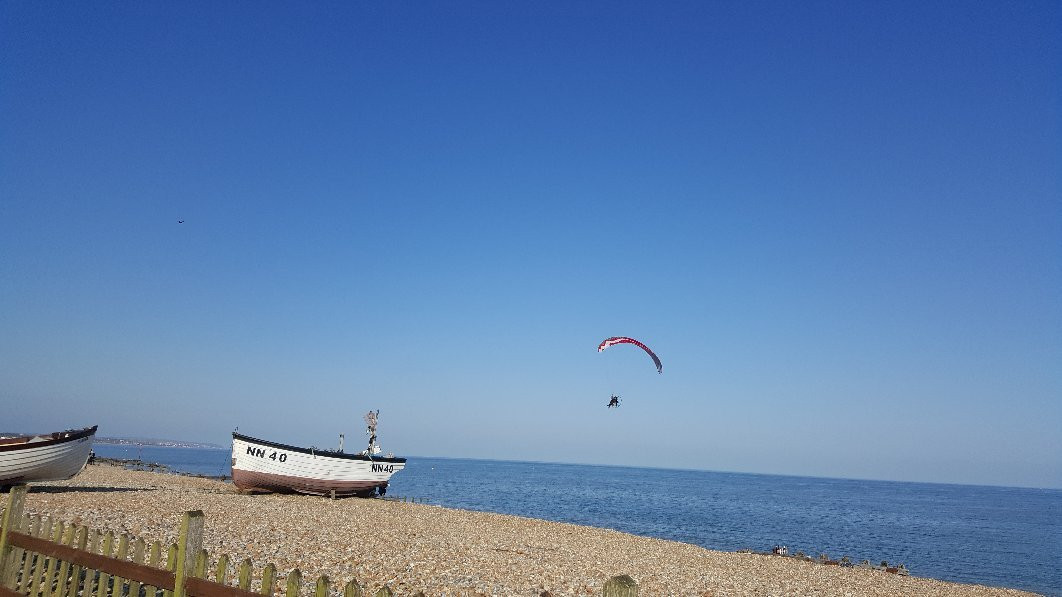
625	340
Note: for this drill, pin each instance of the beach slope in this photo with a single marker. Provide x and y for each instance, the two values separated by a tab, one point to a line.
442	551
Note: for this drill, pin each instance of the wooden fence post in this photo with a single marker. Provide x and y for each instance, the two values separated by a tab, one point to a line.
51	564
221	574
119	584
269	579
103	582
322	587
171	565
294	583
352	589
138	558
81	544
189	543
30	527
16	501
243	578
620	586
92	545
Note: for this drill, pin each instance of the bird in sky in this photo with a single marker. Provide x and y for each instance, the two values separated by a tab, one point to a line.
180	221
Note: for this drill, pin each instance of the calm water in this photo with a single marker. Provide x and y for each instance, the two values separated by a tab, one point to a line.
998	536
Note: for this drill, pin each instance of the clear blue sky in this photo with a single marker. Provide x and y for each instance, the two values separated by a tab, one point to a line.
839	225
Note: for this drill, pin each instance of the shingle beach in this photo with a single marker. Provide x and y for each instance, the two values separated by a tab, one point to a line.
441	551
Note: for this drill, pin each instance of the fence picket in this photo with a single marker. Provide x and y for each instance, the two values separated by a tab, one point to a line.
221	572
269	579
28	563
51	564
12	517
80	542
353	589
45	530
245	574
201	560
620	586
92	545
18	555
171	565
138	558
103	583
322	587
294	583
64	566
154	561
118	582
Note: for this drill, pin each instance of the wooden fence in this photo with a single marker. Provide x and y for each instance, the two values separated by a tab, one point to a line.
40	557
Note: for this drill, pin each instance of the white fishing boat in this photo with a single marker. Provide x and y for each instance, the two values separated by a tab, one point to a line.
261	465
47	457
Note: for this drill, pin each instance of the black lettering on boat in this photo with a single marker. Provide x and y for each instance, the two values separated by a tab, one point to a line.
383	468
253	451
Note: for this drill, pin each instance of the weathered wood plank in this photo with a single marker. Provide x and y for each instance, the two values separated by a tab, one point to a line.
221	572
61	579
69	572
171	565
18	555
87	559
201	561
40	561
200	587
51	565
122	553
269	579
620	586
154	561
138	558
294	583
352	589
79	571
16	502
189	542
93	547
321	589
245	574
5	592
31	558
103	583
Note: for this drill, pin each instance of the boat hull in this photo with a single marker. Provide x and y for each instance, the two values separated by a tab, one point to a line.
259	465
52	457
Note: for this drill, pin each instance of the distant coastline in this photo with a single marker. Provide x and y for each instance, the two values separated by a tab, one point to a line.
163	443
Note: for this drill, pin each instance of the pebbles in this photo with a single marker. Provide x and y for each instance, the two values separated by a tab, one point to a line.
441	551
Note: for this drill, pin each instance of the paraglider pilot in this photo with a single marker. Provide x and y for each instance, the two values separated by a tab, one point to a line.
614	401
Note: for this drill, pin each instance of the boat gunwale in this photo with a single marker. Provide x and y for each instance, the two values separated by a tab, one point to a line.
74	435
316	452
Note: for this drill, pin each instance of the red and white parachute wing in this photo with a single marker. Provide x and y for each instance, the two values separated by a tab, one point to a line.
625	340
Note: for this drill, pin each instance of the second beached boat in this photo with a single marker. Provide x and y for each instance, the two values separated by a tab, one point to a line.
263	465
47	457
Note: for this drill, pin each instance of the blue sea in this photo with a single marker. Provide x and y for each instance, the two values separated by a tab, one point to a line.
998	536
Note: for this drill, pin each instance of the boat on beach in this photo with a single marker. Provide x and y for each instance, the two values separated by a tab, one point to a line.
46	457
261	465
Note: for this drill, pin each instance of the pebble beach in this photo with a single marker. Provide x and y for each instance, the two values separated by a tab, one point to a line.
413	547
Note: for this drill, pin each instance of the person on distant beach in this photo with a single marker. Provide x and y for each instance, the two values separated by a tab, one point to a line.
614	401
